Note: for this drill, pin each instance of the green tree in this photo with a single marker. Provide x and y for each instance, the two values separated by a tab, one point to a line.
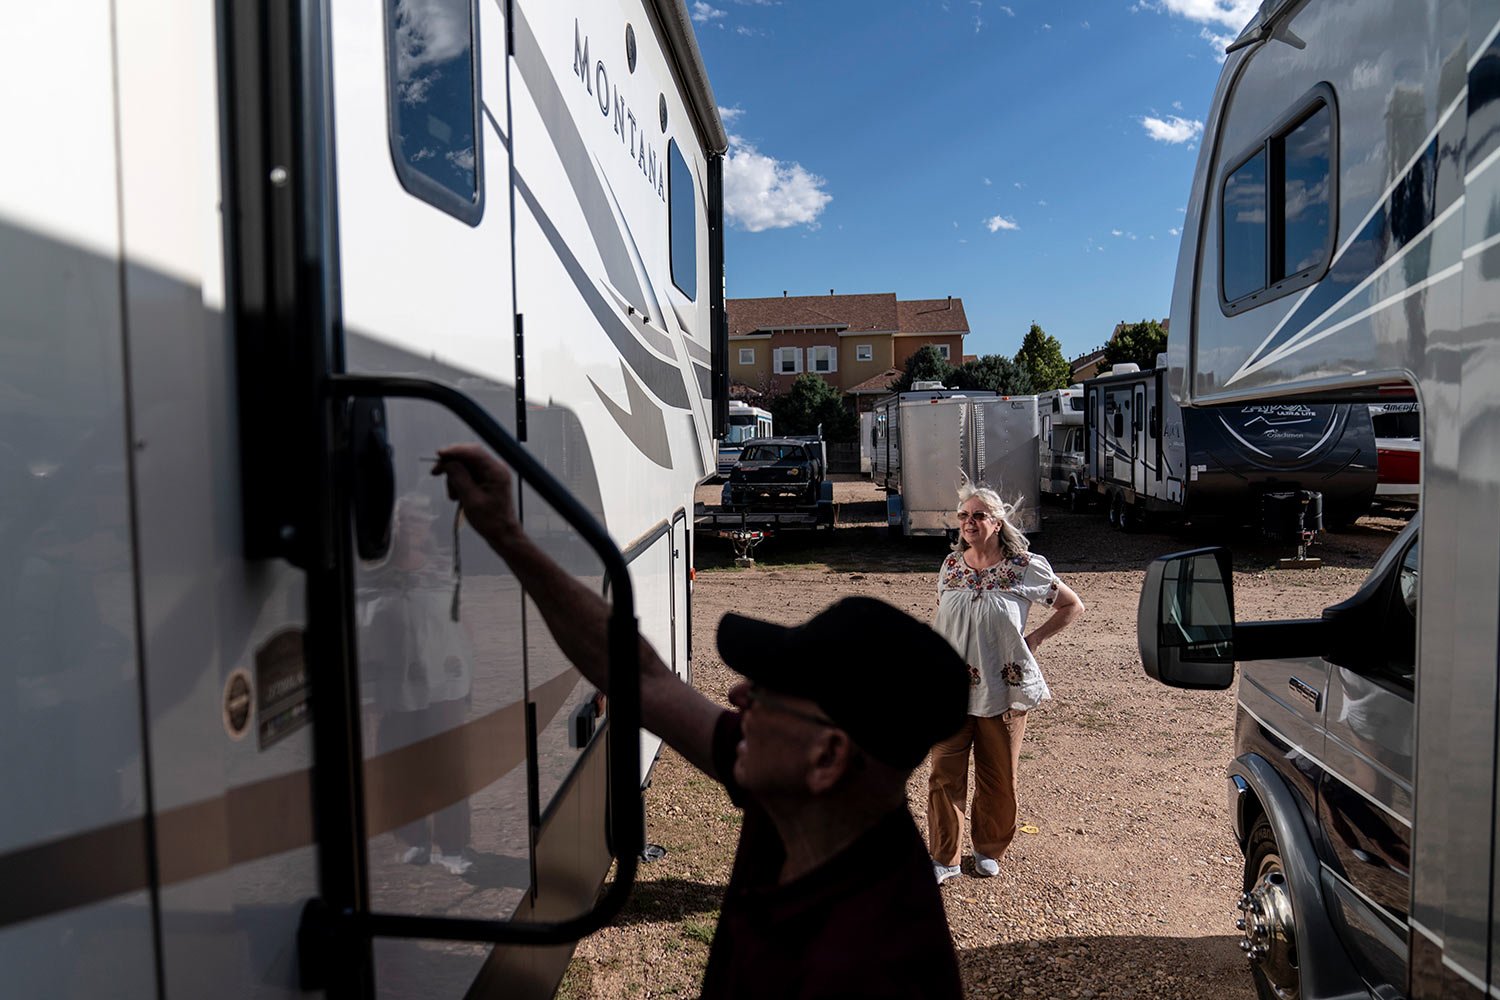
925	365
811	402
995	372
1137	342
1042	358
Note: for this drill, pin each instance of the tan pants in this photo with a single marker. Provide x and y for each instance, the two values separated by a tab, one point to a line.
997	756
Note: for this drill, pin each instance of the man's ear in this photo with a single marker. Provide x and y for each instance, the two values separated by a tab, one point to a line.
829	759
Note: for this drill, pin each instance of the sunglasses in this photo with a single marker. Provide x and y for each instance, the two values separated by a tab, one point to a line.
761	698
977	515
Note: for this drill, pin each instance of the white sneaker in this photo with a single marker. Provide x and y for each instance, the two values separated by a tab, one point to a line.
456	864
985	867
944	872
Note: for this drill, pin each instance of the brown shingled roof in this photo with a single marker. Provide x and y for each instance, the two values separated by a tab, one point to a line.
877	383
857	313
932	316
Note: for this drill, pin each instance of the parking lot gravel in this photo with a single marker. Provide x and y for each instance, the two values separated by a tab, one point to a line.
1126	887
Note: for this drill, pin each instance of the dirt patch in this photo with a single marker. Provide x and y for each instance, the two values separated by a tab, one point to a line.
1127	887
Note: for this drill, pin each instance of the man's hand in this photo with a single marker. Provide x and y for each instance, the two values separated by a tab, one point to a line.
482	485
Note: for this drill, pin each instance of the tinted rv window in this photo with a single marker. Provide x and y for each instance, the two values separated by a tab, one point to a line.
683	208
1245	229
433	74
1305	192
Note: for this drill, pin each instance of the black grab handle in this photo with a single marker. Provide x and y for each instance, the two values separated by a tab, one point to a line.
626	814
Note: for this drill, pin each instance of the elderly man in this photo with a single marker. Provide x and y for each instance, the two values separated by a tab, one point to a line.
832	891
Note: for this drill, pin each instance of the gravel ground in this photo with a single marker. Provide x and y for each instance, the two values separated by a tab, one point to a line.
1126	889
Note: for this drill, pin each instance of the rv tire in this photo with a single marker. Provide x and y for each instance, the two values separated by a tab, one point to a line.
1129	518
1275	969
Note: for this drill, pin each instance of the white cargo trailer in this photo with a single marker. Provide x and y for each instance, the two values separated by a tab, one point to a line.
925	441
265	732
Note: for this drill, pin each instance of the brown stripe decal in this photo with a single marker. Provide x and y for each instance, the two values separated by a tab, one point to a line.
267	817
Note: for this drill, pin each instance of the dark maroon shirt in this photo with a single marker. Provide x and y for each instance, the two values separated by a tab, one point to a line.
867	923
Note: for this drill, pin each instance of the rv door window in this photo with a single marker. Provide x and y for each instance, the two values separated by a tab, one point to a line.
683	222
433	81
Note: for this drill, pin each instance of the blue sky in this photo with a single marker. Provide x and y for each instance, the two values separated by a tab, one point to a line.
1033	157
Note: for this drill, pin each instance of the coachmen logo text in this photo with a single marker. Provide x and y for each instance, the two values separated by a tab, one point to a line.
632	132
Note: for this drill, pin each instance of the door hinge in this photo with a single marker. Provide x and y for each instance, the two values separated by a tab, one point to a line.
520	377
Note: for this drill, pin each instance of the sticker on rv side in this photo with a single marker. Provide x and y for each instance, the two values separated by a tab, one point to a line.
239	702
281	686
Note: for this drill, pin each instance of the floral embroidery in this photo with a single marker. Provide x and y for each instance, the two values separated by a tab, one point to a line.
973	676
1051	593
1013	673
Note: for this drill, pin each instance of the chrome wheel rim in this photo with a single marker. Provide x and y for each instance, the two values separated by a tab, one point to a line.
1268	928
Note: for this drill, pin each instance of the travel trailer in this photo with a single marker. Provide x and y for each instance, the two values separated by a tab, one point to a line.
1341	244
926	440
275	720
745	422
1146	456
1064	471
1398	442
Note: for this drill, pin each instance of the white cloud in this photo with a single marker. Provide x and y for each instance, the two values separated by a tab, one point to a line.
1046	27
703	13
1175	231
1176	105
747	31
1042	203
428	33
978	23
1231	14
995	223
1085	25
728	115
1008	12
761	192
1172	129
987	182
1219	42
1116	232
463	159
1019	185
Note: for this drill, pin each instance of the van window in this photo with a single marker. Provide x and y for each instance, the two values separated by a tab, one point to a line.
1276	210
682	210
432	73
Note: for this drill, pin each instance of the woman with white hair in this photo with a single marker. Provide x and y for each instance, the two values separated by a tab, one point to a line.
985	588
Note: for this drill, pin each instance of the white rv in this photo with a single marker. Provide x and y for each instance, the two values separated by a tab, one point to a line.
746	423
1342	244
926	440
274	721
1064	472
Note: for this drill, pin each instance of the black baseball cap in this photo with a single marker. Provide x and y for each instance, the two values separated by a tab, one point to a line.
889	681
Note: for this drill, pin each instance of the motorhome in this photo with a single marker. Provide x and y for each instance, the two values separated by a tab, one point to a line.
275	720
1341	244
745	422
1148	457
1064	471
927	440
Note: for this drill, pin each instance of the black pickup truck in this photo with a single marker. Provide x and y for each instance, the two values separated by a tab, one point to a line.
777	473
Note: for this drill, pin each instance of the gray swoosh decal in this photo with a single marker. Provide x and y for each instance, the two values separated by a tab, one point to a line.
575	158
642	423
662	378
705	380
659	341
653	303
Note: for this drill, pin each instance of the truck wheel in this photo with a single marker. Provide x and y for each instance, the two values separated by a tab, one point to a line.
1266	921
1078	501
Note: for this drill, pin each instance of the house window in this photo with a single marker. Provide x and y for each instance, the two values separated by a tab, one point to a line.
747	355
788	360
433	95
864	352
823	359
1276	211
942	350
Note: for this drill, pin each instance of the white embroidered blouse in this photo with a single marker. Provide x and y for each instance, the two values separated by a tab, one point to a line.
982	613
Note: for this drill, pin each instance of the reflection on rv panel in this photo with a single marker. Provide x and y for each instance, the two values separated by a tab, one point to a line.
1147	455
218	702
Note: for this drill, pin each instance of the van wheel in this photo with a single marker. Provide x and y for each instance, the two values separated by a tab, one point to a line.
1077	499
1266	921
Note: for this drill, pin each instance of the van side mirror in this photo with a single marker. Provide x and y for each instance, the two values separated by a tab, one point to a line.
1185	622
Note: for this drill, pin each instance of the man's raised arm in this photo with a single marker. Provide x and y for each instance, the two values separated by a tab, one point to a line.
577	617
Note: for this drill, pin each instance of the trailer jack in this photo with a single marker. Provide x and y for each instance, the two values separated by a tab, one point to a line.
745	542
